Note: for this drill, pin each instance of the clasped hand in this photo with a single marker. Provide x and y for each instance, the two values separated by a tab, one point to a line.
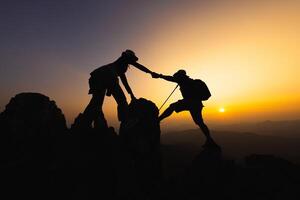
155	75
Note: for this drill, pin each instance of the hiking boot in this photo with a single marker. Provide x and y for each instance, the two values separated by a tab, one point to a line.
211	144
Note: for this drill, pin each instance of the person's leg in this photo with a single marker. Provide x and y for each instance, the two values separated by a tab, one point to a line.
166	113
93	111
177	106
120	98
196	113
100	121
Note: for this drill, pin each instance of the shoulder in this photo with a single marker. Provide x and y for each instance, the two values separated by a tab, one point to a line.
198	81
102	69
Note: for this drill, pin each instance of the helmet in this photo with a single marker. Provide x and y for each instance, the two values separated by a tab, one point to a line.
179	74
129	56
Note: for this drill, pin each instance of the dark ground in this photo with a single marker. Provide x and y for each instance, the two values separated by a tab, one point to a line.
42	159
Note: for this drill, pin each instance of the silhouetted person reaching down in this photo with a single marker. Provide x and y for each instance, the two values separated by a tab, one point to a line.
192	100
104	81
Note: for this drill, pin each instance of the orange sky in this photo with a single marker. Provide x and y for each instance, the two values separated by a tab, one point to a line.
245	52
247	56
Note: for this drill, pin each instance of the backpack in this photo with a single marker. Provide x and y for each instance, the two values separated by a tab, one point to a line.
200	90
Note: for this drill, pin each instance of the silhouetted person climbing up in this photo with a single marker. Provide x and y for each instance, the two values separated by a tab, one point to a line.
193	92
104	80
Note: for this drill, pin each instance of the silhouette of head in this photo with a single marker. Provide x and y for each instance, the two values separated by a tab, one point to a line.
180	74
129	56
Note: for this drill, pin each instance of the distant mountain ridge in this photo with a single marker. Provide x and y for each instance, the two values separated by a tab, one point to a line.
284	128
235	145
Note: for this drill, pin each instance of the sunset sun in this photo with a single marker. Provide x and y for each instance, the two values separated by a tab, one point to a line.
221	110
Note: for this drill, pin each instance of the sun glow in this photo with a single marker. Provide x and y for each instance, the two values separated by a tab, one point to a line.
221	110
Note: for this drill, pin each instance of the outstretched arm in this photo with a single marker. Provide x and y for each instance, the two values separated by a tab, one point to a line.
141	67
167	78
126	85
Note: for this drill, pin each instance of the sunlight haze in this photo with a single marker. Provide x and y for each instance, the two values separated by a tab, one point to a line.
245	52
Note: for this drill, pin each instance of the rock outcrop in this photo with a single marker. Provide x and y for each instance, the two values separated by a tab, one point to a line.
29	125
140	136
32	130
32	114
42	159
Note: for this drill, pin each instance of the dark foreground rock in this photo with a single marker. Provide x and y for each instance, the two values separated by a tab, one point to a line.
212	177
30	125
140	136
41	159
32	131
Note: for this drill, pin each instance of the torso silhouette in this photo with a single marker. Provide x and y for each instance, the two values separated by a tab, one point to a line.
186	87
104	77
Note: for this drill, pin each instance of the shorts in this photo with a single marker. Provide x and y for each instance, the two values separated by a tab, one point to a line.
97	84
187	104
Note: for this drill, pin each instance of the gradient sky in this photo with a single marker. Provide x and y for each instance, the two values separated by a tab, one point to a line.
245	51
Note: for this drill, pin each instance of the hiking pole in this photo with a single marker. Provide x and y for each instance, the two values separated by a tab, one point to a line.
168	98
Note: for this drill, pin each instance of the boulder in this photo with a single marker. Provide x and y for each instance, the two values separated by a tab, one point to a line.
29	125
140	136
141	133
29	114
